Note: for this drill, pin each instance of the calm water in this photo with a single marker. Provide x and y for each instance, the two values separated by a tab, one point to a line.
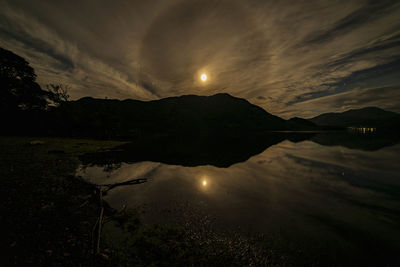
321	199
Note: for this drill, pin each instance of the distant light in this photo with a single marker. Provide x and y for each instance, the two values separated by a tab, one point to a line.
204	183
203	77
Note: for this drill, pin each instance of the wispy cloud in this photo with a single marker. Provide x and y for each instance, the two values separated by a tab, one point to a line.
294	58
387	96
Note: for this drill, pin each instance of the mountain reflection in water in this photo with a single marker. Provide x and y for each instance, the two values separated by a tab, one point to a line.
318	194
223	151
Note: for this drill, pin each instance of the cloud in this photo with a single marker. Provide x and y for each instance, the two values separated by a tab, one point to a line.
286	56
386	97
58	60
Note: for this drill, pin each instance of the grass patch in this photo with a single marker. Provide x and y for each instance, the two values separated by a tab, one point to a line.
47	213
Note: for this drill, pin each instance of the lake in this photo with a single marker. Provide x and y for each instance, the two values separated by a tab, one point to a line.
327	202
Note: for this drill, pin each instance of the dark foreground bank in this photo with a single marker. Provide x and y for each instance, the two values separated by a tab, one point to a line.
50	217
47	214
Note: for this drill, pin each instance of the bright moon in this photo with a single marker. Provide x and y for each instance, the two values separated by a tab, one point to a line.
203	77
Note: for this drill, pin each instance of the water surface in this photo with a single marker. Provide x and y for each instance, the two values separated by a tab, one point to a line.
327	200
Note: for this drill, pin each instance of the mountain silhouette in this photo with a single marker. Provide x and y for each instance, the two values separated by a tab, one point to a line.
29	110
298	124
220	114
365	117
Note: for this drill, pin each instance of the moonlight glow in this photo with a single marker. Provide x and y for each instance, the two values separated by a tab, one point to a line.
203	77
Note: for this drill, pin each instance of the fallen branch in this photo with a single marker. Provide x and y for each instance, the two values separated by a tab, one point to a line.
100	222
93	230
130	182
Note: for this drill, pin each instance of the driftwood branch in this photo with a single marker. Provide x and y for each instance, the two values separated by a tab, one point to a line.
93	231
99	222
130	182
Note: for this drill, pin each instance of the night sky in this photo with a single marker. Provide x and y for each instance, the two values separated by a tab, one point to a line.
293	58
